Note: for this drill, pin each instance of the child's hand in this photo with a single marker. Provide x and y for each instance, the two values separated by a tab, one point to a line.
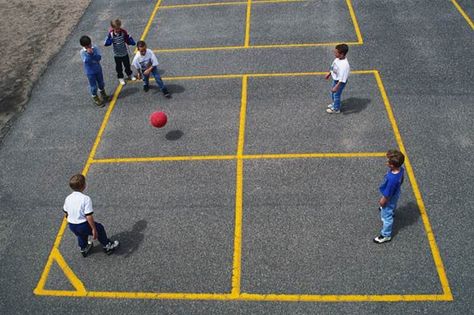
327	76
90	50
139	76
147	71
94	234
334	89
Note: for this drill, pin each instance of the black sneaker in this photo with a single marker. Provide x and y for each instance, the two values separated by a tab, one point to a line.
382	239
110	247
85	251
105	97
146	88
166	93
97	101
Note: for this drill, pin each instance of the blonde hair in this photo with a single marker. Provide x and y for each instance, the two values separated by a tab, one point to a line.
116	23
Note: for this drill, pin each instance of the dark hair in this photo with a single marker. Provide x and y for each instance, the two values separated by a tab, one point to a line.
116	23
77	182
342	48
85	41
141	43
396	159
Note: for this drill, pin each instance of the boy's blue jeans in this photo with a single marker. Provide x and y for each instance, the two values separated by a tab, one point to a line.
386	215
83	230
95	79
336	96
156	75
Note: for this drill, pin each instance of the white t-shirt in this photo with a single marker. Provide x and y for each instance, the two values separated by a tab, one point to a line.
340	70
77	206
143	62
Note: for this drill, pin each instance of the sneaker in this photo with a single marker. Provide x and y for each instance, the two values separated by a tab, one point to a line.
105	97
132	78
331	105
146	88
122	81
166	93
97	101
110	247
382	239
380	208
332	111
86	250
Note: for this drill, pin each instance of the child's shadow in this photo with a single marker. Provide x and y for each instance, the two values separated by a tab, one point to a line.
130	240
354	105
405	216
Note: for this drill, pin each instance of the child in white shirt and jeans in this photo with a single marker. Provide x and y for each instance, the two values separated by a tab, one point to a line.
339	72
78	211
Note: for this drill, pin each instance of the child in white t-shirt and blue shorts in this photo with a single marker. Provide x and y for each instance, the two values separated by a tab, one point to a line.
78	211
339	72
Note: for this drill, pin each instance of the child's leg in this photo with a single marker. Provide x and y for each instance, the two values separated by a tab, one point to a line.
118	67
334	82
158	80
100	80
337	96
102	235
126	64
146	80
80	230
92	84
386	214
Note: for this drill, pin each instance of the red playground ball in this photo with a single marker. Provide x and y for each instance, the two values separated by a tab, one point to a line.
158	119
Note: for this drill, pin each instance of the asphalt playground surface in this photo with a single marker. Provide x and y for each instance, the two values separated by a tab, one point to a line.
251	200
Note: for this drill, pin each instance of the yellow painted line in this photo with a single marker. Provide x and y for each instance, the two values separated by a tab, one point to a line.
426	222
354	22
251	297
463	13
98	138
216	4
214	48
314	155
237	257
76	283
164	159
150	20
247	24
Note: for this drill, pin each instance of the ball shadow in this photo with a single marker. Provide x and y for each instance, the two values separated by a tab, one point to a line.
174	135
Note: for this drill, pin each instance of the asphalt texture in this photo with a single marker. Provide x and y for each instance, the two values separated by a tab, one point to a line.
307	223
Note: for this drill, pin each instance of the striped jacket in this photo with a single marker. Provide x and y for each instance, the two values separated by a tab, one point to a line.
119	42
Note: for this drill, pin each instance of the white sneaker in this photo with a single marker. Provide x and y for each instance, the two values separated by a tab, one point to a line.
122	81
332	111
110	247
382	239
330	105
132	78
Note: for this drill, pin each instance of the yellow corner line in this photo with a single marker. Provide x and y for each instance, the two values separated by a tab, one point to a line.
426	222
354	22
463	13
76	283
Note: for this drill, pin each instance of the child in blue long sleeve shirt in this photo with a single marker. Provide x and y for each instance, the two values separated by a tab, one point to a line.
91	57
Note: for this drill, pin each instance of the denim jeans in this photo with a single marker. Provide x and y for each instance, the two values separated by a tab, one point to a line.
336	96
386	215
83	230
156	75
95	79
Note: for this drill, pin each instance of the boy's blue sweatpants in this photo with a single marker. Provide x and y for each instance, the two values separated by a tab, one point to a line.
83	230
156	75
95	79
336	96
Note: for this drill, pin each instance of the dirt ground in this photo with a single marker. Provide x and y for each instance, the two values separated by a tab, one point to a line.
33	32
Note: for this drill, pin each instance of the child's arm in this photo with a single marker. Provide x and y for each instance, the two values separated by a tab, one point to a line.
108	40
383	201
328	75
336	87
90	220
